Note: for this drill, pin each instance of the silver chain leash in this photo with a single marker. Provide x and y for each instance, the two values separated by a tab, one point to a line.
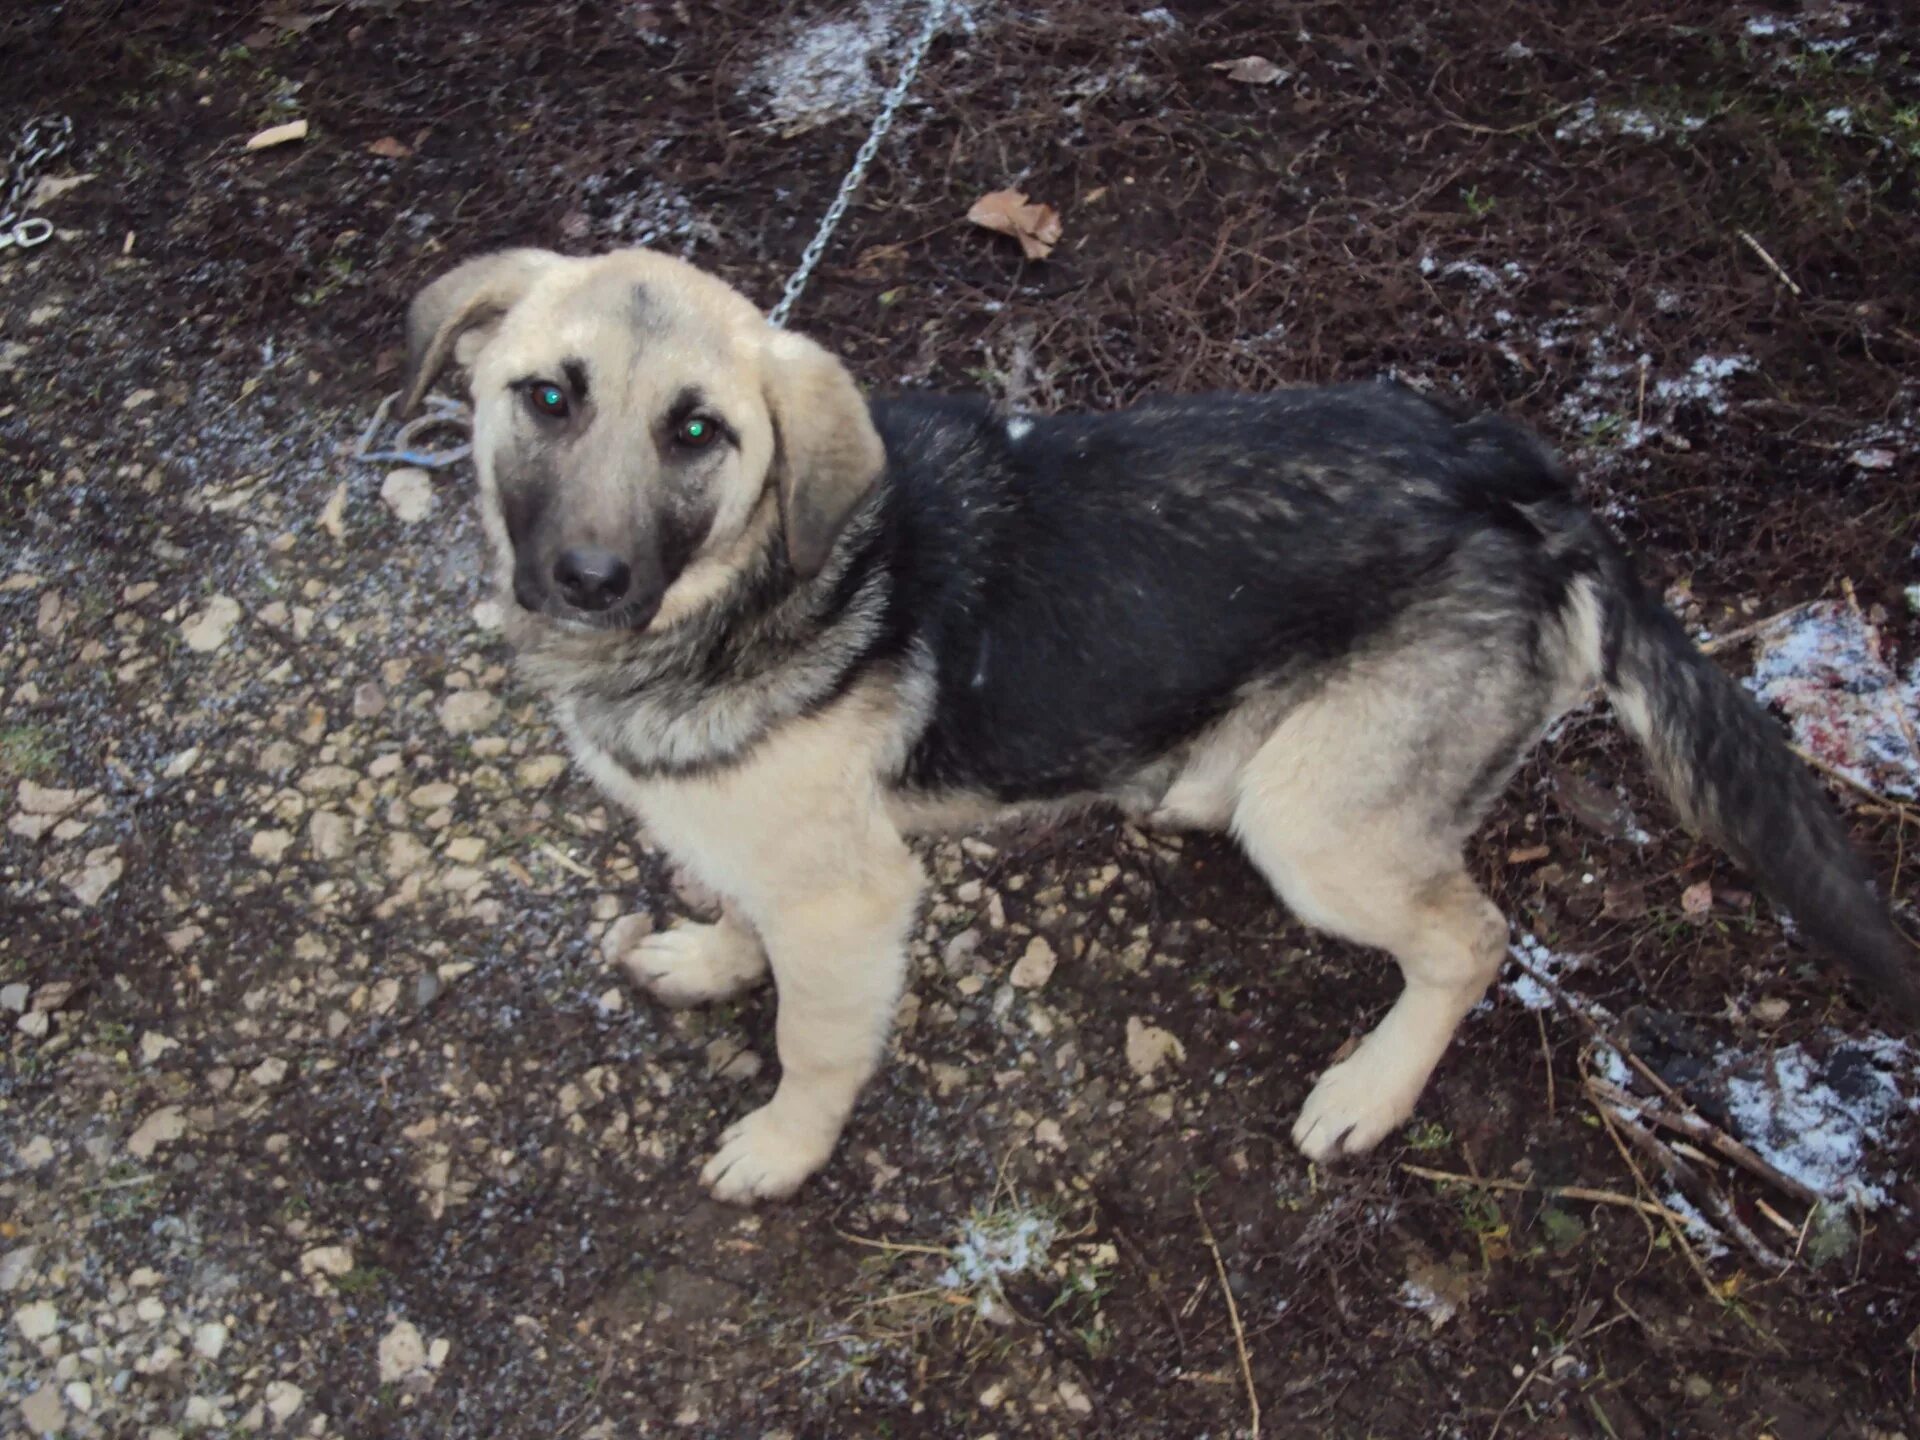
43	141
450	414
889	106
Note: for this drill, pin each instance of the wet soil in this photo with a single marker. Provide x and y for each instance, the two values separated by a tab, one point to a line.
342	994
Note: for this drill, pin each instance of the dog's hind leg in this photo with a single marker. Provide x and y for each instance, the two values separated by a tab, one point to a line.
694	964
1356	821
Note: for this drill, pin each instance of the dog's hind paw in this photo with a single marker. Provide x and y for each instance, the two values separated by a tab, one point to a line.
696	964
764	1155
1354	1106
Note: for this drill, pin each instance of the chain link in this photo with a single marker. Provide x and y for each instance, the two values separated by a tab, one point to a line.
43	141
889	106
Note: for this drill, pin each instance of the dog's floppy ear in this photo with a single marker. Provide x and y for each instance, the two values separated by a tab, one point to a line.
470	297
828	455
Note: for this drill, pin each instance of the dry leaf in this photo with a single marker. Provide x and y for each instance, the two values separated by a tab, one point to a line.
1036	227
1872	459
279	135
1696	900
389	148
1251	70
1527	856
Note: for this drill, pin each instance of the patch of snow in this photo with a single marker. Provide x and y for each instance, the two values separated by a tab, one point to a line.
1160	18
821	72
1840	118
993	1246
1436	1307
1537	964
1705	381
1820	1120
1706	1239
1822	667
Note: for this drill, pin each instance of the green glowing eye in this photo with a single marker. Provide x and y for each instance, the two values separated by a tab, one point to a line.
549	400
697	431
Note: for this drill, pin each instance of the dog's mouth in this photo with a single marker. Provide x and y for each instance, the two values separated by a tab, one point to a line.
629	617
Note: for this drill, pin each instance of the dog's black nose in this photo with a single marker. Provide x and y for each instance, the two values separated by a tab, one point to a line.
591	579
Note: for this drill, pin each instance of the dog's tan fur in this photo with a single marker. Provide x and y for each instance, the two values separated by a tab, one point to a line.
803	829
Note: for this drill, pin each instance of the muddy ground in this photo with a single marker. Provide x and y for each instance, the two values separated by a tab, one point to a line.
325	1114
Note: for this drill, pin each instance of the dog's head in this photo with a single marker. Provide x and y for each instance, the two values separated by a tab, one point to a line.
637	426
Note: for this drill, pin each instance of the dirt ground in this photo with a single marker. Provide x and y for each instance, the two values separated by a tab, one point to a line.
323	1112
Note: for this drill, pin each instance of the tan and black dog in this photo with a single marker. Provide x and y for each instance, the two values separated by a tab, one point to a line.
790	626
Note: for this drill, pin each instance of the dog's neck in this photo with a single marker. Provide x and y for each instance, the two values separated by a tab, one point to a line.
696	694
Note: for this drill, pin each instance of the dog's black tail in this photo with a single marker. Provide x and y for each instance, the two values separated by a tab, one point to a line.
1723	761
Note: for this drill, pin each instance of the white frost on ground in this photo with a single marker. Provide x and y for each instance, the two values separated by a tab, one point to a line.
1820	1121
821	72
1706	1239
993	1246
1705	381
1821	666
1537	963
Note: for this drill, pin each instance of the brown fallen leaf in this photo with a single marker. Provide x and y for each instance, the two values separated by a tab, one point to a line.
279	135
1251	70
1528	855
387	147
1036	227
1697	899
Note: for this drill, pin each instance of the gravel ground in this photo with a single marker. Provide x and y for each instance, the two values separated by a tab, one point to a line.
324	1111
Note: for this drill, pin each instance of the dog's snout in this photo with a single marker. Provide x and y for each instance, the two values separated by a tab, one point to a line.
591	579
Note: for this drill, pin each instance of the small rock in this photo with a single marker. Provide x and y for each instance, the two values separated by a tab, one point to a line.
99	875
42	800
1149	1047
540	771
401	1352
207	629
37	1321
269	1072
153	1045
80	1395
35	1024
1074	1398
368	701
331	835
269	845
466	849
42	1413
14	997
209	1340
284	1400
334	1260
163	1127
37	1152
432	797
1049	1134
1035	966
15	1266
465	711
408	493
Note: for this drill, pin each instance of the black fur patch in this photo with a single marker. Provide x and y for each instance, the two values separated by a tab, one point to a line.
1102	588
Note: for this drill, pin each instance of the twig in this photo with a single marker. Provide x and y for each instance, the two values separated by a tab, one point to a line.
1697	1129
565	861
1233	1314
1748	632
896	1247
1552	1192
1771	263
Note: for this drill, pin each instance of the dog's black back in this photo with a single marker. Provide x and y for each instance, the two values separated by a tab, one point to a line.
1094	590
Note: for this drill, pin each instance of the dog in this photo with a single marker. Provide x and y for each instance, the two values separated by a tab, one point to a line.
789	626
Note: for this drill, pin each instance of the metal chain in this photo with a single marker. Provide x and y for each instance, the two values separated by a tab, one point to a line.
42	141
889	106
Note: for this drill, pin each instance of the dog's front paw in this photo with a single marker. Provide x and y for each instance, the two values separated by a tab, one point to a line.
696	964
764	1155
1355	1105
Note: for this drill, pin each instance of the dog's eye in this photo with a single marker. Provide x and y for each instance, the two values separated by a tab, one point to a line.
547	400
695	432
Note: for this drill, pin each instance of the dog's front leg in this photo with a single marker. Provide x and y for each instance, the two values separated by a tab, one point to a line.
839	959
